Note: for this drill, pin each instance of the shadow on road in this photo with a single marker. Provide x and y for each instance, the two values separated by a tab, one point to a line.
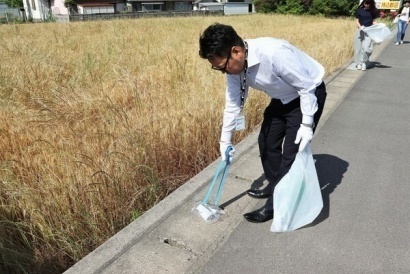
330	170
258	183
376	65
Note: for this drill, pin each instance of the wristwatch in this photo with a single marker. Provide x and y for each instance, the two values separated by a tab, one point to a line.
312	125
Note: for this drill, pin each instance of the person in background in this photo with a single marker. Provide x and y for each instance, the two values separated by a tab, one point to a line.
292	79
404	19
363	46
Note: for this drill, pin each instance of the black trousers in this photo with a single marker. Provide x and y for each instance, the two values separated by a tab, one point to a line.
276	140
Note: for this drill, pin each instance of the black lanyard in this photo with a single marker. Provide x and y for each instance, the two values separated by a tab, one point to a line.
243	82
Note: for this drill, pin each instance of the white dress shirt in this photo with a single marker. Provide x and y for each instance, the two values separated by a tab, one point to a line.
281	71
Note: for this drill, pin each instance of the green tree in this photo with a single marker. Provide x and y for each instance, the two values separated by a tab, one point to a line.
291	7
69	3
14	3
314	7
332	7
265	6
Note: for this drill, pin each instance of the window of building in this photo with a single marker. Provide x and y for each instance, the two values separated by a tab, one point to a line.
151	6
182	6
98	9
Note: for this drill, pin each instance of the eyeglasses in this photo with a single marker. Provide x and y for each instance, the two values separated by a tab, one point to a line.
226	63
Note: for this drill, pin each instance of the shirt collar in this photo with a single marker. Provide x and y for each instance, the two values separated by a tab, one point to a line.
252	57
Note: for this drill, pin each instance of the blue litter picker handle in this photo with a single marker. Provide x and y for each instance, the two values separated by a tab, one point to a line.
222	183
227	163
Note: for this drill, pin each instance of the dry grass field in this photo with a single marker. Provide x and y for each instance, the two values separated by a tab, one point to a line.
101	120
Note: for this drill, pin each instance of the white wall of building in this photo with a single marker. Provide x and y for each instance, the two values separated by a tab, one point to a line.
57	6
38	10
236	8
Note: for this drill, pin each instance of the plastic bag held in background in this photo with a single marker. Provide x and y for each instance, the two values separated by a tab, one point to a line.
378	32
297	199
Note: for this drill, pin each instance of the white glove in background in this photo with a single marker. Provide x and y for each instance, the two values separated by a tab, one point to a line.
223	146
304	136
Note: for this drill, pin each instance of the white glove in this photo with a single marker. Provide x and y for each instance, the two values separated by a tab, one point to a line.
304	136
223	146
361	28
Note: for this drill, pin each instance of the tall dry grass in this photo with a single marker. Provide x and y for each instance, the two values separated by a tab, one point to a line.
101	120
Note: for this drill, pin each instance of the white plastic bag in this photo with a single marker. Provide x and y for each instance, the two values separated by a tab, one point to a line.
378	33
396	19
297	199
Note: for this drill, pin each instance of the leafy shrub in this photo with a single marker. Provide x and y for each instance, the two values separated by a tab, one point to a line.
388	15
13	3
265	6
314	7
333	7
291	7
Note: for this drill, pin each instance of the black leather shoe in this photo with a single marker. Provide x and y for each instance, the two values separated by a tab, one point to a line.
259	193
259	216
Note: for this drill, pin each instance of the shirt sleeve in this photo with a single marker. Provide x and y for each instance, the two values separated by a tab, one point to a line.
357	15
232	106
290	65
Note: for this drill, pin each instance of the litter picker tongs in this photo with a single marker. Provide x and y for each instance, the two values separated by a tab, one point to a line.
211	211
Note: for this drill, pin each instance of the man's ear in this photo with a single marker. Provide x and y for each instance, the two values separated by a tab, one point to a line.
237	51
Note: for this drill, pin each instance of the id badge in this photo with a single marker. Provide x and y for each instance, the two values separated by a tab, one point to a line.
240	122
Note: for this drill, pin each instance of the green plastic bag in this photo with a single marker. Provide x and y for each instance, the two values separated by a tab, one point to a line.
378	32
297	199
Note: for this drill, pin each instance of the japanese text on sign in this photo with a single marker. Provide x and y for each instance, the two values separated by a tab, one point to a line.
388	5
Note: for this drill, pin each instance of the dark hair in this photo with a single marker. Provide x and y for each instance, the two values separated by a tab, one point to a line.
217	40
371	2
373	10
